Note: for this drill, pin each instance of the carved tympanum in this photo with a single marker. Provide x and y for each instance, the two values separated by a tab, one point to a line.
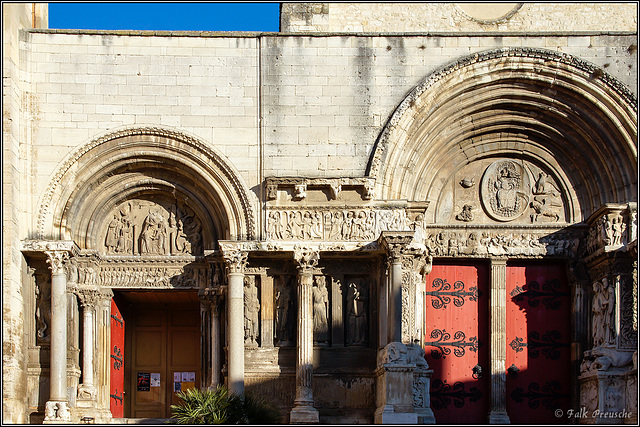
143	227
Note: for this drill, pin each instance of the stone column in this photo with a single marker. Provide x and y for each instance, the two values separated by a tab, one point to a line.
211	300
394	243
303	411
498	341
236	261
57	408
88	298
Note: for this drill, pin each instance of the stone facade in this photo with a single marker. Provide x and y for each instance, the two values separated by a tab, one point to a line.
302	184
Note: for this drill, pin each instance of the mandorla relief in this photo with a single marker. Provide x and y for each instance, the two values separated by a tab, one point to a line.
142	227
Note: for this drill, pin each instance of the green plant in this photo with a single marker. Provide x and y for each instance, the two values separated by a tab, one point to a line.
219	406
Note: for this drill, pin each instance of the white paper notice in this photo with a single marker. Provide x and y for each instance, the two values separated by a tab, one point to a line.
177	377
155	379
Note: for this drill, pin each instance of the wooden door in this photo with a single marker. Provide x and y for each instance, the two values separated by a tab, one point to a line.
116	365
538	343
457	342
165	358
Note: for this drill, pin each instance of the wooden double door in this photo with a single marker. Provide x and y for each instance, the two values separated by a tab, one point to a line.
160	352
457	342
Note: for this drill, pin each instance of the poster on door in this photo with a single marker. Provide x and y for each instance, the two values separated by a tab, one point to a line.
183	381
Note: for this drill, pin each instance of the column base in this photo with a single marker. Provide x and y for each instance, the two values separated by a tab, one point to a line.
56	412
496	417
304	415
387	415
425	416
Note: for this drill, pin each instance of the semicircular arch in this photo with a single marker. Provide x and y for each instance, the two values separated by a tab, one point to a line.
560	112
147	165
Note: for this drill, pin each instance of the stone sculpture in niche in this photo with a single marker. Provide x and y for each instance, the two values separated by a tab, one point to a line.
283	305
251	311
357	322
320	310
602	309
505	190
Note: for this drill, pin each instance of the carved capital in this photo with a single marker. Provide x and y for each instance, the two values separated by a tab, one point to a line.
57	261
235	260
306	258
395	243
88	297
212	296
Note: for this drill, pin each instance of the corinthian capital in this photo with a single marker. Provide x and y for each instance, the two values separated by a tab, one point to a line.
235	257
306	258
57	261
395	243
88	297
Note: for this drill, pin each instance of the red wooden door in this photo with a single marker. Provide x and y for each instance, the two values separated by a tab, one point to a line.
457	342
538	343
117	362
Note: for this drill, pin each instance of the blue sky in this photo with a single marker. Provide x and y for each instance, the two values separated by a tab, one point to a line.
196	16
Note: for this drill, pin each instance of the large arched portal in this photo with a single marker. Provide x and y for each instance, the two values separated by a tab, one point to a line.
565	117
528	160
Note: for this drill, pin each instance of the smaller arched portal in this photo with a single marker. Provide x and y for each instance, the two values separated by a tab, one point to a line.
146	208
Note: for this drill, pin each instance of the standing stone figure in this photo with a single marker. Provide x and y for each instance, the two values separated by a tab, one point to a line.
603	303
320	310
357	313
154	235
283	302
113	234
251	311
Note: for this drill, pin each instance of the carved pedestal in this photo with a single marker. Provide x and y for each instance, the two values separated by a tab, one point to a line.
421	396
394	386
608	394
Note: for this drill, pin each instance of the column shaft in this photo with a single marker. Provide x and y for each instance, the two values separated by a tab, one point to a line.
58	367
235	307
498	355
87	347
395	301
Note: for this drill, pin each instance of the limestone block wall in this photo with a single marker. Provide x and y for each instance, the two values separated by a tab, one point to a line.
85	85
274	105
458	17
327	98
15	16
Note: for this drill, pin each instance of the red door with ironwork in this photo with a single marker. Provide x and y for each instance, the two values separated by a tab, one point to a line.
538	343
117	362
457	342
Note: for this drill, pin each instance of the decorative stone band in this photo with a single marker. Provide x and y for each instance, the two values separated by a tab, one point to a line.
300	186
153	276
612	228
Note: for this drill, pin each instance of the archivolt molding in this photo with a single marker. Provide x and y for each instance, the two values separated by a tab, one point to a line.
564	114
149	146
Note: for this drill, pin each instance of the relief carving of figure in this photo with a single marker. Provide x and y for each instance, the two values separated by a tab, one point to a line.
466	215
43	310
505	190
154	235
320	310
618	227
357	297
113	234
125	239
602	309
295	225
251	311
283	303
